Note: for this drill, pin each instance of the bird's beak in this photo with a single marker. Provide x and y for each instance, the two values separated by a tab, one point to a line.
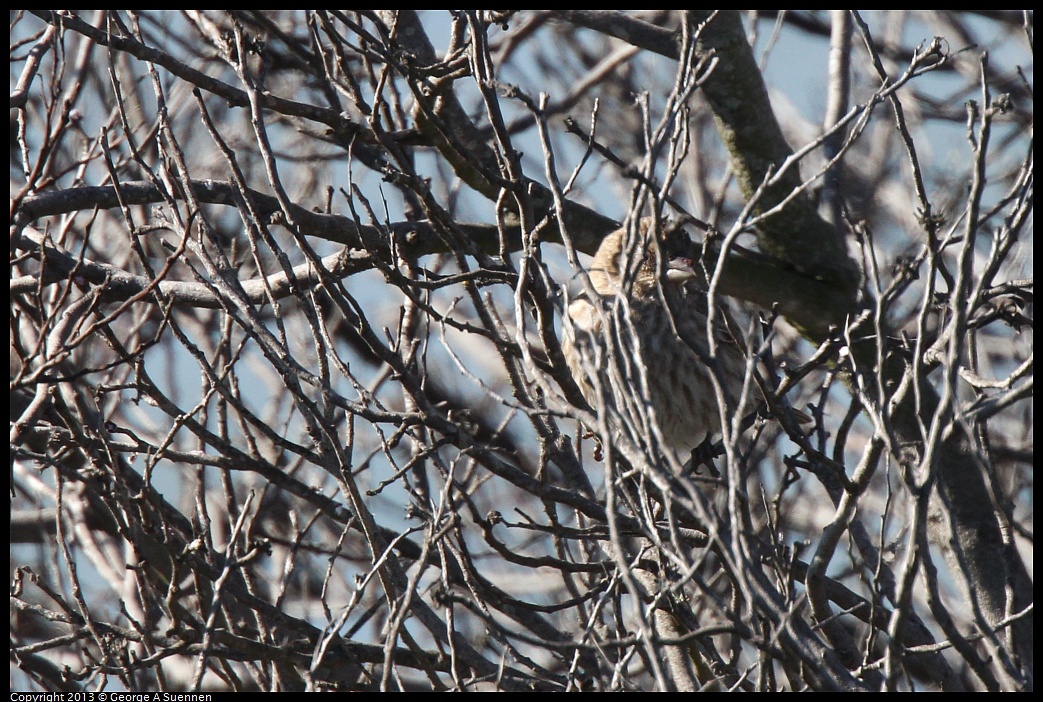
583	315
679	270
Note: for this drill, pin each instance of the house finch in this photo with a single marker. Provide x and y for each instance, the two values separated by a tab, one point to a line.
659	341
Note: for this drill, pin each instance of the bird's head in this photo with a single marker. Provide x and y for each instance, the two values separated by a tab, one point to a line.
610	264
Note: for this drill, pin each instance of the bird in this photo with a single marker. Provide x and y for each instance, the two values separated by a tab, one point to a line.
660	328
